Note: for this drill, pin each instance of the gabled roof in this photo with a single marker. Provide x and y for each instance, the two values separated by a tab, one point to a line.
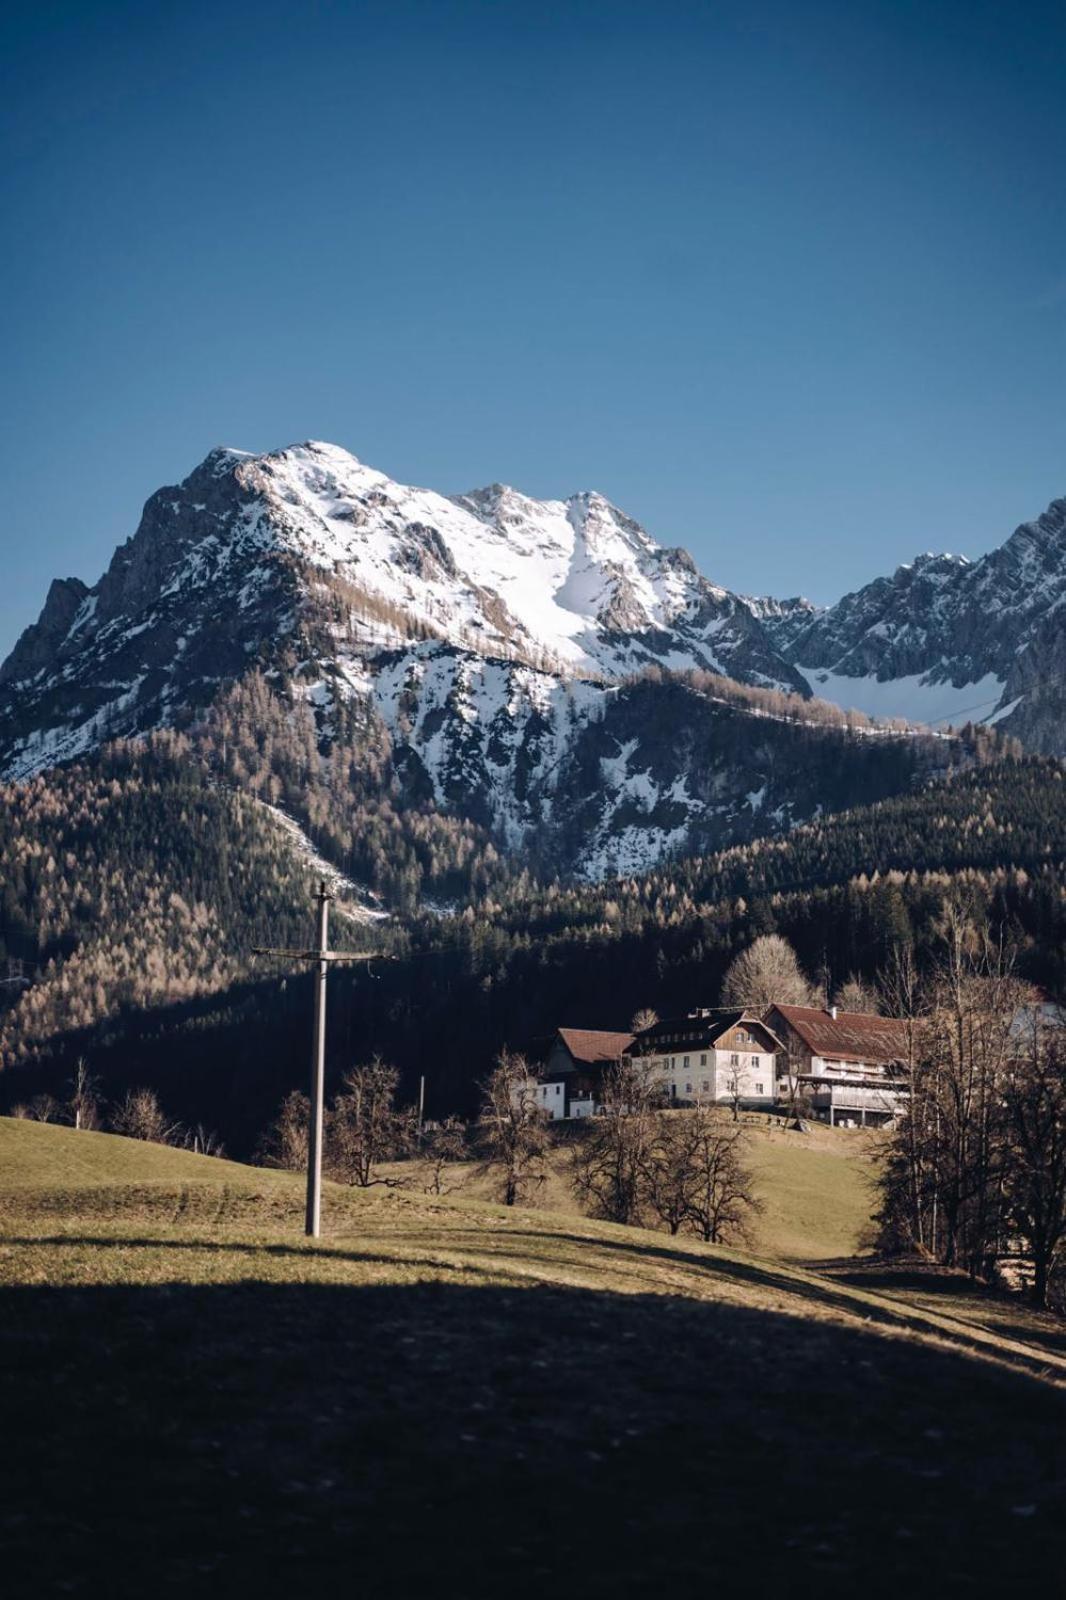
700	1029
849	1036
590	1046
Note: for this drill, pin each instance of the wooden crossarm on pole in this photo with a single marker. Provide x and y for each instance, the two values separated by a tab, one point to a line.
322	955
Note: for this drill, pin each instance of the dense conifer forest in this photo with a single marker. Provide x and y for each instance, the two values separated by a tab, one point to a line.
135	886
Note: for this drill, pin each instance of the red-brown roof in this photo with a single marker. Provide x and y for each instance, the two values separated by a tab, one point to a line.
589	1046
849	1036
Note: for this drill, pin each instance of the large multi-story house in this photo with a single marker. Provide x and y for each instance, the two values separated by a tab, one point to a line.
703	1056
711	1055
847	1067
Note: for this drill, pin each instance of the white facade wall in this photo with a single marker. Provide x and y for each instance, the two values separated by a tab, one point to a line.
712	1075
746	1075
551	1098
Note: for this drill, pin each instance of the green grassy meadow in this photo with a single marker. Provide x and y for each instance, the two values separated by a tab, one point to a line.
444	1397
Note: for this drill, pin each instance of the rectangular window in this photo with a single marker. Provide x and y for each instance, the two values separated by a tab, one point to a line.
734	1060
759	1088
706	1085
703	1061
686	1063
688	1088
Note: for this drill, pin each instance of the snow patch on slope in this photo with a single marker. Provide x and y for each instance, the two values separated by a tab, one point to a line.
916	699
352	898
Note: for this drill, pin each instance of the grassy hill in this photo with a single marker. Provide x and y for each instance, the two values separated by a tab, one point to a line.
816	1189
443	1396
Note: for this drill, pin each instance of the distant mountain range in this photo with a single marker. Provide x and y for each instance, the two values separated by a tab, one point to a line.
539	667
945	638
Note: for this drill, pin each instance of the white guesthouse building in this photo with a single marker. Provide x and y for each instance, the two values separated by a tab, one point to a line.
713	1055
703	1056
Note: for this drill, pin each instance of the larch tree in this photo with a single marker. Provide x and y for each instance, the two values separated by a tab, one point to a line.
855	994
766	973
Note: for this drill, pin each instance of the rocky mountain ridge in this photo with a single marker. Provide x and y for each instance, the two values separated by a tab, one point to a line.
494	645
946	638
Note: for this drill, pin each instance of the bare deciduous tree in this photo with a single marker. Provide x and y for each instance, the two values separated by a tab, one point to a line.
513	1128
285	1142
721	1198
204	1141
444	1143
855	994
696	1178
608	1172
944	1181
766	973
84	1104
1035	1178
140	1116
365	1128
643	1019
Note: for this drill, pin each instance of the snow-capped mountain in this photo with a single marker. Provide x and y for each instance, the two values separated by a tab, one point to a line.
218	571
947	639
496	646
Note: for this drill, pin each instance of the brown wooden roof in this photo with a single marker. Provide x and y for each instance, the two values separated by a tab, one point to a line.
850	1036
589	1046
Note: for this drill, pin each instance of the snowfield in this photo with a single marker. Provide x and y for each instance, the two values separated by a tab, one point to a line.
916	699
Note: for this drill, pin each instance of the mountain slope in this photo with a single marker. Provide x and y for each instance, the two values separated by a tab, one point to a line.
134	890
945	638
225	568
474	655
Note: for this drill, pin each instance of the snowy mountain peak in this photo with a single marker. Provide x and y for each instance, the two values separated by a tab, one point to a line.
935	561
240	557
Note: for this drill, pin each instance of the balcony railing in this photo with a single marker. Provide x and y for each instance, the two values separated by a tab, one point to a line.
849	1097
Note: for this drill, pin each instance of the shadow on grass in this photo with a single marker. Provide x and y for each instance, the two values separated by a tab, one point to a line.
802	1283
447	1245
452	1439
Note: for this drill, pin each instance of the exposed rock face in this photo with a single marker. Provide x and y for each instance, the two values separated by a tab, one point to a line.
225	571
991	629
41	640
496	638
191	600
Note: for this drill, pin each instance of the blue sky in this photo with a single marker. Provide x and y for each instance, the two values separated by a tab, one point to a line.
786	281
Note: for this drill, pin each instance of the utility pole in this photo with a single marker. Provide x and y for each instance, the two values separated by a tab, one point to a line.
321	957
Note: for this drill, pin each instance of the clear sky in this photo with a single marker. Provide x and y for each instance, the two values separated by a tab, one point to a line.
785	281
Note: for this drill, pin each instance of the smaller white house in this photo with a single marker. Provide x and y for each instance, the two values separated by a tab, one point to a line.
573	1067
551	1099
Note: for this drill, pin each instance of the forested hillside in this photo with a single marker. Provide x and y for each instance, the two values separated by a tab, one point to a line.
135	887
